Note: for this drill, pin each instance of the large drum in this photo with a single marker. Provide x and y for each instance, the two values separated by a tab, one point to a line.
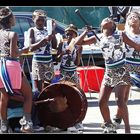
62	105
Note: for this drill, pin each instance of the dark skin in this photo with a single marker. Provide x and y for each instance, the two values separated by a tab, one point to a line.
122	110
25	90
121	102
134	24
122	92
40	23
105	91
60	53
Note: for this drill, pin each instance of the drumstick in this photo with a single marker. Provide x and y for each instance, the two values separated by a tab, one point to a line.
43	101
86	23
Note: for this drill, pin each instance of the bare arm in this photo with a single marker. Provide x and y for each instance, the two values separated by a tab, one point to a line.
59	52
130	42
14	51
81	40
78	55
54	40
90	40
34	46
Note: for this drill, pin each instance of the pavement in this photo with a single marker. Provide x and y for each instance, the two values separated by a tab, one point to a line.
93	118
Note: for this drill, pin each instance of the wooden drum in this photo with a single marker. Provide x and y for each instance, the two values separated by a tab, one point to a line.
62	105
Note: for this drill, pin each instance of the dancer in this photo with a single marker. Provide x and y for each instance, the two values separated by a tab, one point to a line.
132	30
116	75
11	74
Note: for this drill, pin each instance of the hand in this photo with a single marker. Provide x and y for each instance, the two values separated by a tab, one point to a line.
48	38
24	50
88	28
68	51
53	24
124	37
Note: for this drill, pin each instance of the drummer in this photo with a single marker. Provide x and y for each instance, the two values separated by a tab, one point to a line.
69	56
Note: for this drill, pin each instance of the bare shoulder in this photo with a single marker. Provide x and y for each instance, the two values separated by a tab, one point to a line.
13	35
30	30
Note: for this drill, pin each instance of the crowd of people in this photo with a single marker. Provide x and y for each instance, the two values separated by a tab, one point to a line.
120	49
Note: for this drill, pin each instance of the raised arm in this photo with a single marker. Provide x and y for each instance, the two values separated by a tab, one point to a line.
34	46
128	41
54	40
82	40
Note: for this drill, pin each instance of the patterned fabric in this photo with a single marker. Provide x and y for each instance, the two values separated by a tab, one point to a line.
41	71
131	52
4	43
133	68
112	49
117	76
133	56
42	58
71	77
42	67
39	35
67	67
67	60
114	54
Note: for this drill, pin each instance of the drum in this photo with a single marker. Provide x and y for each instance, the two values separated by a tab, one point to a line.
61	105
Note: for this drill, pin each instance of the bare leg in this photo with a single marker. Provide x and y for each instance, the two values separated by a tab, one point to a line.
27	93
127	90
122	92
103	103
38	85
4	98
3	104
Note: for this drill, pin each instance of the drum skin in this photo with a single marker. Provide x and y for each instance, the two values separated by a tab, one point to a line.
68	107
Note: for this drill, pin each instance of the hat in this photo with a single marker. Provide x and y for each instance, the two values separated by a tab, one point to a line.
72	27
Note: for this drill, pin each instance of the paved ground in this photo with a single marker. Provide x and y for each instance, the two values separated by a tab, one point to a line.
93	118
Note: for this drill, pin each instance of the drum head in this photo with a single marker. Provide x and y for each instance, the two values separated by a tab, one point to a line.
67	105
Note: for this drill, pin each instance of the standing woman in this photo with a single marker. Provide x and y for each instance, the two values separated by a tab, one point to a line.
11	74
132	29
41	44
115	76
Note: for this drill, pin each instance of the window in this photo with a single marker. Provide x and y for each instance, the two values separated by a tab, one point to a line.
22	24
